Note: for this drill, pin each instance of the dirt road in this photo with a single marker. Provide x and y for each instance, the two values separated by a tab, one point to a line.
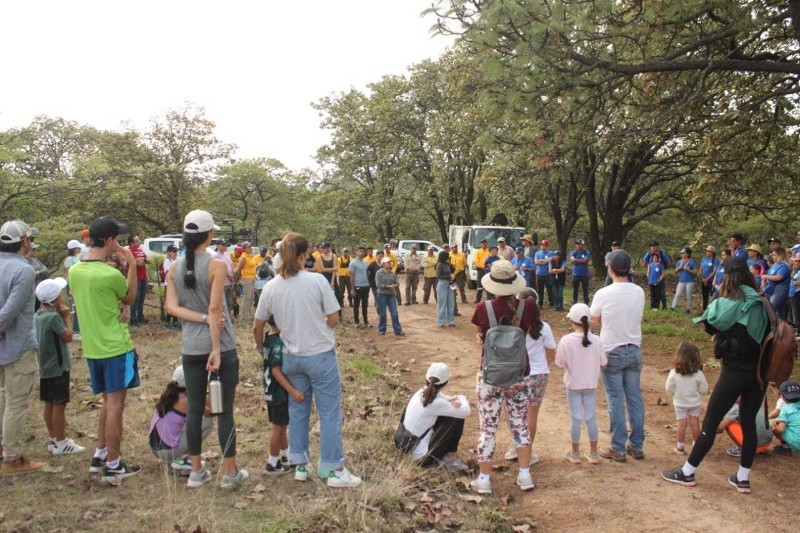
610	496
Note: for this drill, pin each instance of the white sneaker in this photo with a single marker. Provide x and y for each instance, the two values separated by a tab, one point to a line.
511	453
525	481
481	487
232	482
51	444
197	479
535	458
76	337
343	479
68	447
301	473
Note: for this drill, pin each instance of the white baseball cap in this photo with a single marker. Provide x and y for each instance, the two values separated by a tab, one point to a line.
578	311
179	377
14	231
386	260
440	371
199	221
48	290
71	245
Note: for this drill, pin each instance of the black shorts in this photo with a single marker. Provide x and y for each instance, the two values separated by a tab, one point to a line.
55	390
278	414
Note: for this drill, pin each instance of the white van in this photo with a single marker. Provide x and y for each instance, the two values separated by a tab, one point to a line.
470	237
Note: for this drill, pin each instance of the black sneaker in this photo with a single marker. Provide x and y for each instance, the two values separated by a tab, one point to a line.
677	476
741	486
277	470
113	475
96	467
782	449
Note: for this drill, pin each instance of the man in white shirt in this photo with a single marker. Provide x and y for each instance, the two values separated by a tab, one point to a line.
618	309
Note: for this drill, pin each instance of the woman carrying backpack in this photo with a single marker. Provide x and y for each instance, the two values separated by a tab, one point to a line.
509	390
738	321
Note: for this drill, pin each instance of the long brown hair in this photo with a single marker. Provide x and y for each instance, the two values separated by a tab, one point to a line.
293	246
687	359
432	388
736	275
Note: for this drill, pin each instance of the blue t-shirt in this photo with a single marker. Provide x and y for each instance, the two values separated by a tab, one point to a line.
740	252
756	260
524	266
358	272
792	286
580	269
720	274
543	270
707	266
684	276
654	272
665	258
791	415
778	269
489	260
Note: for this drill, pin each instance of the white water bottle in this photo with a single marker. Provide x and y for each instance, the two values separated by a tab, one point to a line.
215	394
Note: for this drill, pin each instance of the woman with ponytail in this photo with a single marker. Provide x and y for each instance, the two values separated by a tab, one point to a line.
195	295
581	355
437	421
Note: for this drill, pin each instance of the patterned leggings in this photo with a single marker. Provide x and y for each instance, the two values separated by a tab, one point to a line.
490	403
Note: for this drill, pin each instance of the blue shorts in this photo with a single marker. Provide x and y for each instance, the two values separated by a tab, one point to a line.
114	373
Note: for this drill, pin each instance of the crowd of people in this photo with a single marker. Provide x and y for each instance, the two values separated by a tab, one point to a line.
293	295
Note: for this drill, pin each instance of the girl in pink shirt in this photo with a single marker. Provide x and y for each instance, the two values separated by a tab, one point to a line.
581	355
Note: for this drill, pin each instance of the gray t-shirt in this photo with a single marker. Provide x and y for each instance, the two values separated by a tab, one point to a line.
196	337
383	278
762	427
49	325
300	305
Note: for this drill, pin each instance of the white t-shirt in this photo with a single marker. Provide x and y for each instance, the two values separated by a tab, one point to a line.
687	391
167	264
620	307
419	419
300	305
537	356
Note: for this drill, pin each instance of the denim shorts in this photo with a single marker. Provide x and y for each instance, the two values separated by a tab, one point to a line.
114	374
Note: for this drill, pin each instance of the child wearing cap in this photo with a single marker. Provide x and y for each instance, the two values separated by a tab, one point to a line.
53	332
167	432
581	355
435	421
787	424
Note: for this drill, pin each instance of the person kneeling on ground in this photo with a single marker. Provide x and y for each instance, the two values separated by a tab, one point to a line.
167	433
432	423
733	427
787	425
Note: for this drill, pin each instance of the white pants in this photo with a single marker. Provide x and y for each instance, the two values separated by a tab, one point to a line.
688	288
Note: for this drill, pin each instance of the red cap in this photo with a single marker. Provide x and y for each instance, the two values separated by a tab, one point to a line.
239	250
84	234
545	242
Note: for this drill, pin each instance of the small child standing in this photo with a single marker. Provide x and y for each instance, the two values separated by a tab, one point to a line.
687	384
581	356
277	389
54	332
787	424
655	279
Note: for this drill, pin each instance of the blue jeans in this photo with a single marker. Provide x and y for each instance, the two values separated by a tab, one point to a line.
317	376
778	300
390	301
621	381
558	295
137	307
445	303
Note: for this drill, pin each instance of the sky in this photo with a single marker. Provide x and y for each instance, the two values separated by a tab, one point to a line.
255	66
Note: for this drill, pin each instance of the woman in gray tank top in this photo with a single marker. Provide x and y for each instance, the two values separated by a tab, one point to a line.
195	294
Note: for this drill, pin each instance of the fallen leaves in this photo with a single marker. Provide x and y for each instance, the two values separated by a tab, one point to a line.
472	498
52	469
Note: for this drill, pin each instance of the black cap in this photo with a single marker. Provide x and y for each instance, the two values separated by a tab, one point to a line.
620	261
106	227
686	250
775	240
580	241
654	243
790	390
172	248
325	245
616	243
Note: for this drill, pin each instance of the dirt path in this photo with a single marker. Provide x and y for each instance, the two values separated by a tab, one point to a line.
609	496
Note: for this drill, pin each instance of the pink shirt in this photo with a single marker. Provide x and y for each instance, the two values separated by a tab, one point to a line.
581	364
226	258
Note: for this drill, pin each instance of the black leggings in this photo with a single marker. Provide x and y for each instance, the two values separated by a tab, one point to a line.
446	435
705	291
194	369
731	385
361	298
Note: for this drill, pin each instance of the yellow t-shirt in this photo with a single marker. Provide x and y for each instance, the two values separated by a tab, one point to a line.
429	266
343	266
393	258
459	262
249	270
369	259
480	257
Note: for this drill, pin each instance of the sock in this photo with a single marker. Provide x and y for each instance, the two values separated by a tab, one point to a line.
273	461
112	465
102	453
743	474
688	470
62	442
680	445
285	453
525	471
483	477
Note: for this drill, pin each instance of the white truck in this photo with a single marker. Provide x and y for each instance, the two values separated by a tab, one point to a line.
469	239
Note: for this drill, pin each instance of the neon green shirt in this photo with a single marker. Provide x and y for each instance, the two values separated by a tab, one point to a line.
97	289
